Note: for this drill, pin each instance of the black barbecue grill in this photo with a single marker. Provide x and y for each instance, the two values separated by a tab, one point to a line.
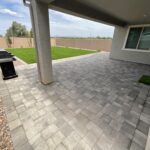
6	64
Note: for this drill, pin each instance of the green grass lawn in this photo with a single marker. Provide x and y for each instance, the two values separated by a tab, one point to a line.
28	54
145	79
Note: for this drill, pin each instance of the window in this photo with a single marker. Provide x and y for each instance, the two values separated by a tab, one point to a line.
138	38
145	39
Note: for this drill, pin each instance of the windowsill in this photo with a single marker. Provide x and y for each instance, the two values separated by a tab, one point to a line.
136	50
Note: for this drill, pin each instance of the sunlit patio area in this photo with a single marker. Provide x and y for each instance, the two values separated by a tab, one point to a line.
94	103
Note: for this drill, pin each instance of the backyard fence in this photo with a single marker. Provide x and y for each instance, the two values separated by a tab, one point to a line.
93	44
18	42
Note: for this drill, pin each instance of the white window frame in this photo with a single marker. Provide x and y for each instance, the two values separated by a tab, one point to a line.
126	37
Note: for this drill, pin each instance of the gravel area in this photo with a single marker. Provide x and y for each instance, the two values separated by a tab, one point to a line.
5	138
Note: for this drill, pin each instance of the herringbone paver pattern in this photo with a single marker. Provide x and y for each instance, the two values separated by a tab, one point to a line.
94	104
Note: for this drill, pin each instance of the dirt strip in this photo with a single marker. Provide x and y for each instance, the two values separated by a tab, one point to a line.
5	138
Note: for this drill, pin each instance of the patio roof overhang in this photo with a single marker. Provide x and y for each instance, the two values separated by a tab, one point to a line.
116	12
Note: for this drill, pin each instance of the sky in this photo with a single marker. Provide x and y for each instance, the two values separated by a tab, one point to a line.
61	24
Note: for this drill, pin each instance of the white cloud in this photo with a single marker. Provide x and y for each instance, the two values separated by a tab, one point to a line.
79	30
61	24
9	12
64	26
68	25
66	16
13	1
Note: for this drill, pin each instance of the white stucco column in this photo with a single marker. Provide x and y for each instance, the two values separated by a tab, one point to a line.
40	25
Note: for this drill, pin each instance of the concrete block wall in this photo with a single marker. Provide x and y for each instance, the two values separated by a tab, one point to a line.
92	44
18	42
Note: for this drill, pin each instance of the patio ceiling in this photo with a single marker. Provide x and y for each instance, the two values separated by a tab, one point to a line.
114	12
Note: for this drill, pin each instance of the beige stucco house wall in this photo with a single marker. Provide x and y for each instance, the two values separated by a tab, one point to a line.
118	51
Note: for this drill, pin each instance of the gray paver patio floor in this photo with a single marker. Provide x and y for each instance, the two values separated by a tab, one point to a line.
95	103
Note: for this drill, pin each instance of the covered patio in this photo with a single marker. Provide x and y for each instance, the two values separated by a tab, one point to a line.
94	104
131	40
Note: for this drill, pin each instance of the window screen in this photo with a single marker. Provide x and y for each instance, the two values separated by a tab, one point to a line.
145	39
133	38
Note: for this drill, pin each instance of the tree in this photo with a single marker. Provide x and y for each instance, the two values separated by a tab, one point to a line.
31	33
16	30
9	41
